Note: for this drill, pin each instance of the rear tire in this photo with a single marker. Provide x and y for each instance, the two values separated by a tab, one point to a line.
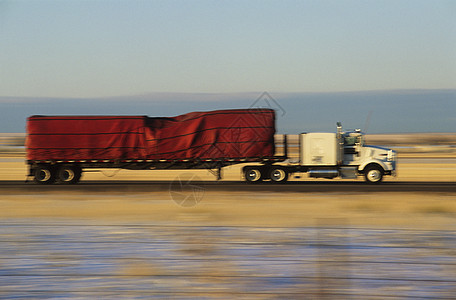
69	174
253	174
278	175
44	175
373	174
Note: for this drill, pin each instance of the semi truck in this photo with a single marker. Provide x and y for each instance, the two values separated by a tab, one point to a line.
60	148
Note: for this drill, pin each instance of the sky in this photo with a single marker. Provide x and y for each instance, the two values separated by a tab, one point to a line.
96	49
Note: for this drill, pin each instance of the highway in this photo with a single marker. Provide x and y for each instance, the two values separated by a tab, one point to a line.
9	187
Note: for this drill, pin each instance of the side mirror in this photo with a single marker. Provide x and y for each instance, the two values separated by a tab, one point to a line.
339	130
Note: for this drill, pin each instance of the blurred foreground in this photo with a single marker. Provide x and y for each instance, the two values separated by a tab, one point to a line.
263	245
83	260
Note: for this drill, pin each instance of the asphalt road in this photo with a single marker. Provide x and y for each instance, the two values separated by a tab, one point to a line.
10	187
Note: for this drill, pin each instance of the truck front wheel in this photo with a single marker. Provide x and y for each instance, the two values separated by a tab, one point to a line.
44	175
253	174
373	174
278	175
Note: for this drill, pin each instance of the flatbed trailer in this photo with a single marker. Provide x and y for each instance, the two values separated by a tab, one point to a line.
61	148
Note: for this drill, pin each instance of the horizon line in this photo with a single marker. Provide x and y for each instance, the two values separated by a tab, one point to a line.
156	93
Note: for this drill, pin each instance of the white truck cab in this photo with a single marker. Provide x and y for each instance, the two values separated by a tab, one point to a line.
345	154
372	161
330	155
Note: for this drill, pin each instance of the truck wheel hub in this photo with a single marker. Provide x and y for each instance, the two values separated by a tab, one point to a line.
278	175
44	175
374	175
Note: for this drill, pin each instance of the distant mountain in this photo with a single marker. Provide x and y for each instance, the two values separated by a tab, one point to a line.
394	111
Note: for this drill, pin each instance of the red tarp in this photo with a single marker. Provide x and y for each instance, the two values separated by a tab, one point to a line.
217	134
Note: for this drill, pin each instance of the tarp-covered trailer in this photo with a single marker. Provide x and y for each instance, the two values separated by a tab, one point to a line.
60	148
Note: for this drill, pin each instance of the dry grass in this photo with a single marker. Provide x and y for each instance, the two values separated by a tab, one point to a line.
242	209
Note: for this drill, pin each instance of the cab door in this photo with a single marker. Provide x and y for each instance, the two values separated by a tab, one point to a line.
353	149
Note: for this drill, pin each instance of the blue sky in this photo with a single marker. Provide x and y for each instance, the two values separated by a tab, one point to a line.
93	49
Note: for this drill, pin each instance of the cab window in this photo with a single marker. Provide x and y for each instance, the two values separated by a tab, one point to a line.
350	140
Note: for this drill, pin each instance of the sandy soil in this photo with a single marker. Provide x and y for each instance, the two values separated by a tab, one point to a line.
401	210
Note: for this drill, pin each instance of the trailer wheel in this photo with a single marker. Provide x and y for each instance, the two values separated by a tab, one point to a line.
278	175
253	174
69	174
373	174
44	175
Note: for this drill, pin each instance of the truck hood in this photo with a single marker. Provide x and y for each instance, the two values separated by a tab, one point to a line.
380	153
377	147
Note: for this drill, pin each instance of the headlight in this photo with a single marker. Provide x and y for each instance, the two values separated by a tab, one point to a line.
390	156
